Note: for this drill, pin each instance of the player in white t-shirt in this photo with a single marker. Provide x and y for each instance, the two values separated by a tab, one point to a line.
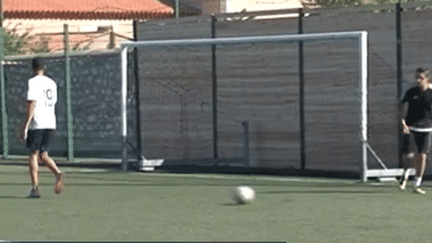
40	125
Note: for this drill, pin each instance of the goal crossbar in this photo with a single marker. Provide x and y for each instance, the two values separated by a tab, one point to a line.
335	36
359	37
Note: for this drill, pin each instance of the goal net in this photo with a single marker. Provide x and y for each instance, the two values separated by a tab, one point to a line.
250	101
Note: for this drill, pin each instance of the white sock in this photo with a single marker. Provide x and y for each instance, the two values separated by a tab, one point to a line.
417	181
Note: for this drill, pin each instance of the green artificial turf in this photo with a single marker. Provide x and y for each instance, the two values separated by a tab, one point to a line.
100	205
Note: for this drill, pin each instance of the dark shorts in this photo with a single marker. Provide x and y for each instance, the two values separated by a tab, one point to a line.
40	139
421	141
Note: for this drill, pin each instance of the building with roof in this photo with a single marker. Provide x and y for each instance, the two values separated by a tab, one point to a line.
236	6
85	9
92	23
98	24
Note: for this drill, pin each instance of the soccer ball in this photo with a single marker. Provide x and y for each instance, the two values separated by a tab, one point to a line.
243	194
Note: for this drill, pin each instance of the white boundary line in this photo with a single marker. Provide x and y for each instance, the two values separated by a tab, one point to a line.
219	176
69	169
215	176
254	178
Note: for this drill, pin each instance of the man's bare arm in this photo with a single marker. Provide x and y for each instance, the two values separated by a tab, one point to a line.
30	111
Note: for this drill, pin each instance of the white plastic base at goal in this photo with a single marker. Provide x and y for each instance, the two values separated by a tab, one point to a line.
149	164
385	174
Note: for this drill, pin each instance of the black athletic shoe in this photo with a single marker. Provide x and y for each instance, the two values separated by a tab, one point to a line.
34	193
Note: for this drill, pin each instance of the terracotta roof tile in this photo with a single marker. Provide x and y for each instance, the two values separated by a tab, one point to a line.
85	9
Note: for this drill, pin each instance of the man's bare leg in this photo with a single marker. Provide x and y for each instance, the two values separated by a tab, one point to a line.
420	170
34	174
408	164
34	168
59	183
52	166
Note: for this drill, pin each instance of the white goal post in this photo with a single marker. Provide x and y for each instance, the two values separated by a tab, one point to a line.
360	37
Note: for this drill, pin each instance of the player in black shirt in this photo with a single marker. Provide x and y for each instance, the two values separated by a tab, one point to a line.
417	124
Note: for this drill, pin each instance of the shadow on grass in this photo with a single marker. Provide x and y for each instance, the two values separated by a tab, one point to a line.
14	197
233	204
329	192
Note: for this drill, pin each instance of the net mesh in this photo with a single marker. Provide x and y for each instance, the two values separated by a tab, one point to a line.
259	84
176	103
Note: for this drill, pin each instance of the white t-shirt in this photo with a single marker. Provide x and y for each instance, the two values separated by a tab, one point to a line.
43	90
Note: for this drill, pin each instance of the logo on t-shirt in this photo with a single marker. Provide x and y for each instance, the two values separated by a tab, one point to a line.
48	97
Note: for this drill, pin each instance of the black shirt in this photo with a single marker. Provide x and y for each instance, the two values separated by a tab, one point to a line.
419	107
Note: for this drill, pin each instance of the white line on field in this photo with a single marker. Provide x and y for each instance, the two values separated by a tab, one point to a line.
285	179
85	170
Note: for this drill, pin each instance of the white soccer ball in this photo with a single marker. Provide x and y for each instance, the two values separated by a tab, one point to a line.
243	194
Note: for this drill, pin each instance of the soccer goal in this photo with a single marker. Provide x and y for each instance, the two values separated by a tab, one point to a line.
264	71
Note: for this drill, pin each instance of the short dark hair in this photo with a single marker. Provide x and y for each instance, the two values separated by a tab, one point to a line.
38	64
422	70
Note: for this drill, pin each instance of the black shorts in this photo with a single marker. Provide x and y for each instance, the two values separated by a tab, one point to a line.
421	140
39	139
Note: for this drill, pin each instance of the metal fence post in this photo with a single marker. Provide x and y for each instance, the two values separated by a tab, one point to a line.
399	75
214	90
69	117
5	134
246	149
137	93
301	93
177	8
